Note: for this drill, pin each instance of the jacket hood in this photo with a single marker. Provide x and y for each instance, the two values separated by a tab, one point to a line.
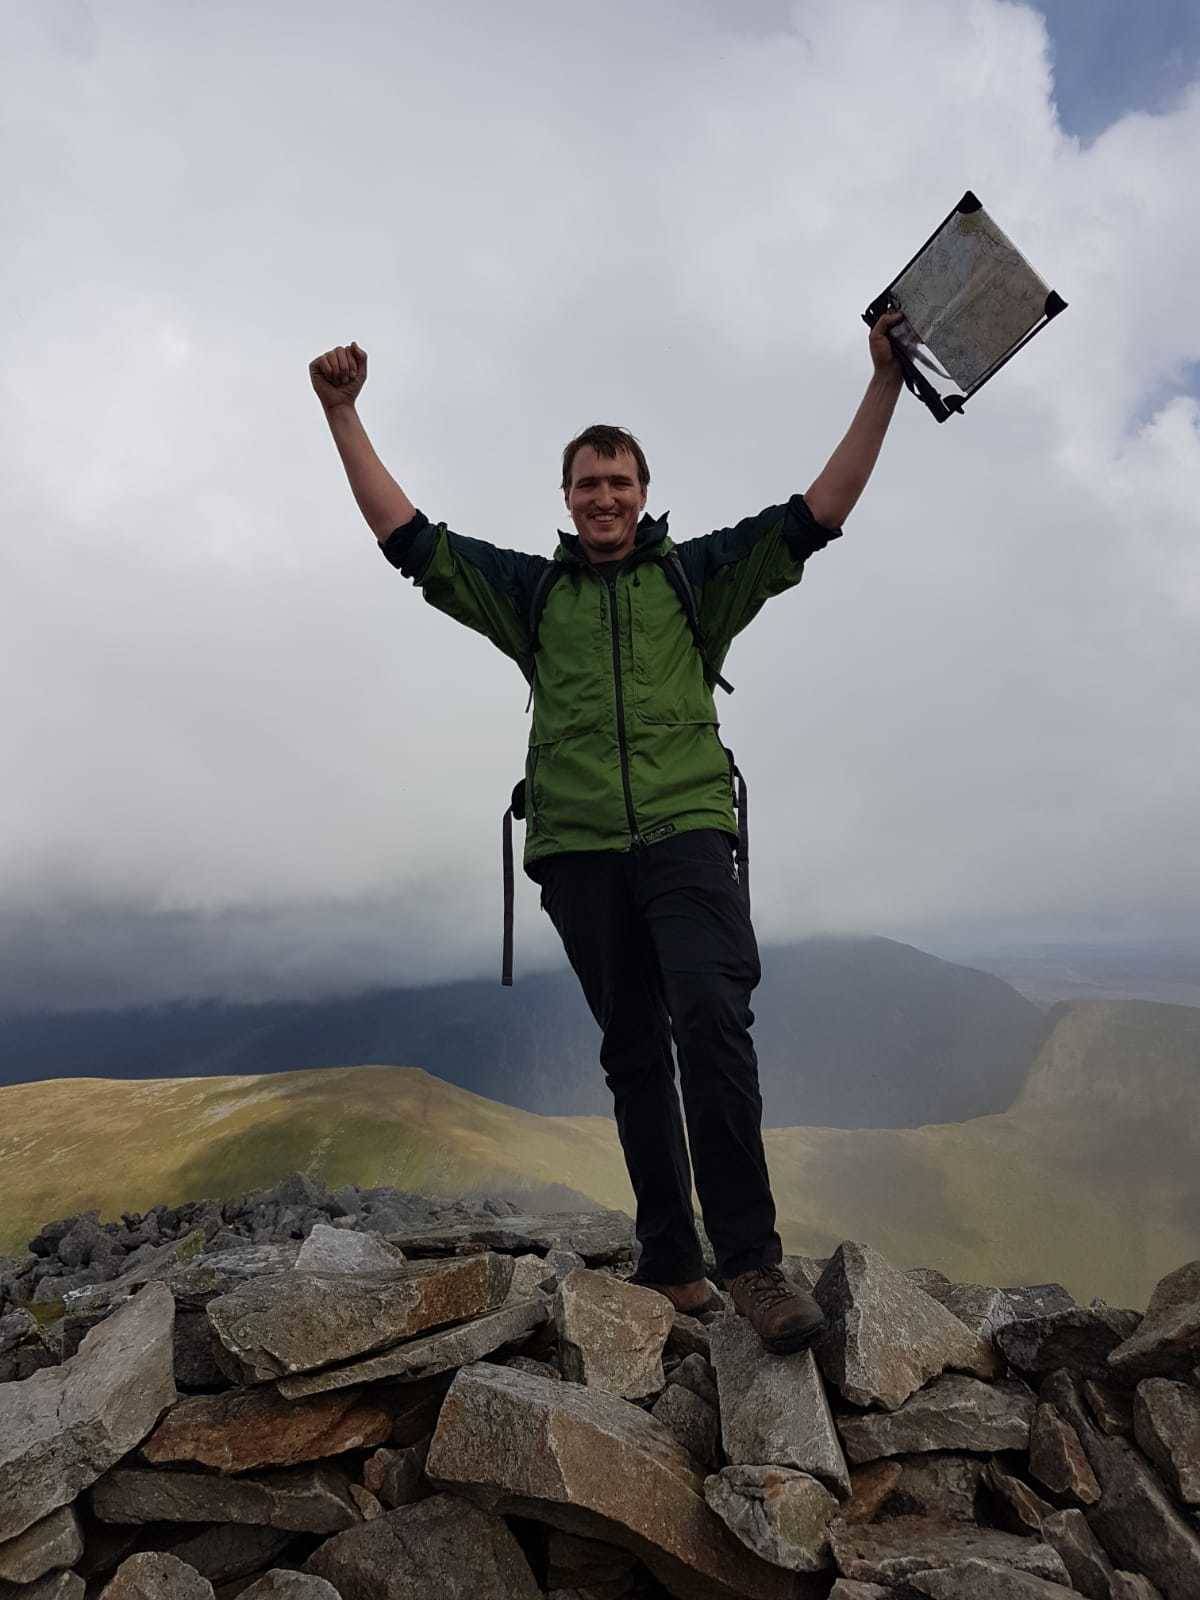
651	536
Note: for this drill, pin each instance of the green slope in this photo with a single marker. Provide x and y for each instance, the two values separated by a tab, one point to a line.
1090	1178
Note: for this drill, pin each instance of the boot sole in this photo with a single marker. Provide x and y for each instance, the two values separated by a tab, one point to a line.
786	1344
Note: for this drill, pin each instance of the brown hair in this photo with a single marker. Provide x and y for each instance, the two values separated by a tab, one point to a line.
608	442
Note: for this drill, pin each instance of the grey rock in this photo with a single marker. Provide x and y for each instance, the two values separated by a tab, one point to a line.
952	1413
1110	1408
985	1580
338	1250
442	1546
1015	1507
1079	1340
979	1307
195	1283
774	1411
693	1422
688	1336
155	1266
780	1514
397	1476
886	1337
694	1372
939	1484
1057	1459
54	1586
1167	1342
560	1262
220	1552
1166	1424
895	1551
63	1427
436	1353
530	1276
303	1499
283	1585
542	1369
1038	1299
15	1327
55	1541
155	1575
196	1351
573	1560
1138	1525
1082	1553
848	1589
300	1321
588	1462
1132	1586
611	1334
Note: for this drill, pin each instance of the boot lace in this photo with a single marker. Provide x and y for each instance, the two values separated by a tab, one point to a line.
769	1286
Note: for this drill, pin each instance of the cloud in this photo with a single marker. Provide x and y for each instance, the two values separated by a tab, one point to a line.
221	703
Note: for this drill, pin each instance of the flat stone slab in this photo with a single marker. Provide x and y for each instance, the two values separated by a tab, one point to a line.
600	1238
443	1546
886	1336
611	1334
63	1427
591	1463
300	1321
1166	1425
774	1410
55	1541
986	1580
242	1429
436	1353
780	1514
305	1500
896	1551
953	1413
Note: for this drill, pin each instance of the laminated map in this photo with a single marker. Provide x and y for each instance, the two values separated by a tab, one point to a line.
970	295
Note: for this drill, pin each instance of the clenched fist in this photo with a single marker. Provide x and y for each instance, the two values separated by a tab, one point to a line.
338	375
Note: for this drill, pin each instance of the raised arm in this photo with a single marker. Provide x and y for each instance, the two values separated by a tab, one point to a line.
835	491
337	379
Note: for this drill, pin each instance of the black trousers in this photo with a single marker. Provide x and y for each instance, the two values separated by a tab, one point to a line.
661	941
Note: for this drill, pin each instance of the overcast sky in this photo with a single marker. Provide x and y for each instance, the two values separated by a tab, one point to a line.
243	757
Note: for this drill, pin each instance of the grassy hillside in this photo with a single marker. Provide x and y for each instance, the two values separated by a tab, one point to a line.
1090	1178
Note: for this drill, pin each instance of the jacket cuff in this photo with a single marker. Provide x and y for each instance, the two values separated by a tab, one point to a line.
409	546
802	533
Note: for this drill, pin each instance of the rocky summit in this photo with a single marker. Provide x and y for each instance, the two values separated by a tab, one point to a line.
372	1395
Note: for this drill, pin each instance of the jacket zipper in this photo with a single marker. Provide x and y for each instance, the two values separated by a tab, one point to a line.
622	747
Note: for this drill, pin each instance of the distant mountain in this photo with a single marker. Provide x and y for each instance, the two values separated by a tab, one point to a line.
1090	1179
1152	969
850	1033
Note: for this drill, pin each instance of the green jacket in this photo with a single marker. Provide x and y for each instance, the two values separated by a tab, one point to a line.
624	748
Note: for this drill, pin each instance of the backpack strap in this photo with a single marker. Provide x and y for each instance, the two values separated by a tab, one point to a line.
537	605
676	576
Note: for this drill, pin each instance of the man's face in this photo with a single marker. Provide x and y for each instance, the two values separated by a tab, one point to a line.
605	501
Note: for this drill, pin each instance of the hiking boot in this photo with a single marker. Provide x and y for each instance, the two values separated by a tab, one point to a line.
784	1317
694	1299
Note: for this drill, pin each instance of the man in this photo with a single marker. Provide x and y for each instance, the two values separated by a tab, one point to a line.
631	831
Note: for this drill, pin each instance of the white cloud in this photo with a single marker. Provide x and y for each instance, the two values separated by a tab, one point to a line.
978	706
